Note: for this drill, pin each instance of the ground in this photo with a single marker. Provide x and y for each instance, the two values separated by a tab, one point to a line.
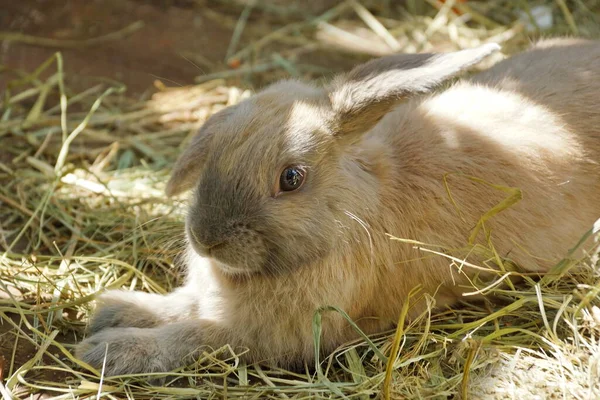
107	222
137	60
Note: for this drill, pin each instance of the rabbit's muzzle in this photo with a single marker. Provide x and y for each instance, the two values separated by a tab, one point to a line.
237	248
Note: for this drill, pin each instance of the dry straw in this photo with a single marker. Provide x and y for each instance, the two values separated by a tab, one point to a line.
82	209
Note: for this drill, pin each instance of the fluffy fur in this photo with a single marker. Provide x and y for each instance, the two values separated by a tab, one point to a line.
260	262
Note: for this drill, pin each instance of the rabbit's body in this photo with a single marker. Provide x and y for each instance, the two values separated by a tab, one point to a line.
519	132
531	122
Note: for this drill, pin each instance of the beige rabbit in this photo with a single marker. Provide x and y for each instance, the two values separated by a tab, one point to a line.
297	189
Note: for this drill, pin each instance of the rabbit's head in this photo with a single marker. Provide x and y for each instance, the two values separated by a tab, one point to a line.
273	175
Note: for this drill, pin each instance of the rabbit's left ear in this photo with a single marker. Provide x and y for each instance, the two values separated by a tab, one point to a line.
360	98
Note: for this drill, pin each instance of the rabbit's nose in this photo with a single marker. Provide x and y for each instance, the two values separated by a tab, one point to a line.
204	249
218	249
201	243
209	237
215	248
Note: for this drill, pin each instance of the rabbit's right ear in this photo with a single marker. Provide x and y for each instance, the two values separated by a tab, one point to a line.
188	166
362	97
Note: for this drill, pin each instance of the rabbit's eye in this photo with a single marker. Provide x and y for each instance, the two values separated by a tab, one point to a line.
291	179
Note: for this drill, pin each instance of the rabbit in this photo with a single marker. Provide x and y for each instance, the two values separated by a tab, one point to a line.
297	191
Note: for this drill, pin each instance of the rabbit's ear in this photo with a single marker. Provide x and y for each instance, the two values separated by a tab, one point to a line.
363	96
188	166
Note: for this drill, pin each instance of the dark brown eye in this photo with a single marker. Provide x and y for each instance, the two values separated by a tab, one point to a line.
291	179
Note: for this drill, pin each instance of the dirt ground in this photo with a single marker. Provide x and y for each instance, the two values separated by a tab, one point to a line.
180	39
154	52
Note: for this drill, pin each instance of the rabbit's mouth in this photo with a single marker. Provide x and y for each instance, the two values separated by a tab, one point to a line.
227	260
232	270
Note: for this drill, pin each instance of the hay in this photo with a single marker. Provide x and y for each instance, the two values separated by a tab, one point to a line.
82	209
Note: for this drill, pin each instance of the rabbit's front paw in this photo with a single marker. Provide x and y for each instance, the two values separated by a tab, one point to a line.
116	309
126	351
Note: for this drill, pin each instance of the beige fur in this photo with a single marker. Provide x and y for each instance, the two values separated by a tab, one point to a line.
261	263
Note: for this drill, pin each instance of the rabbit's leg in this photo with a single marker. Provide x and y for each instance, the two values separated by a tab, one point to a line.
119	308
125	351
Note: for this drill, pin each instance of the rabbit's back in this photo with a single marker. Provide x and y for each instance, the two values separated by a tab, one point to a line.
532	122
562	75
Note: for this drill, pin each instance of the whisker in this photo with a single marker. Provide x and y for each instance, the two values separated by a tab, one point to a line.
365	226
